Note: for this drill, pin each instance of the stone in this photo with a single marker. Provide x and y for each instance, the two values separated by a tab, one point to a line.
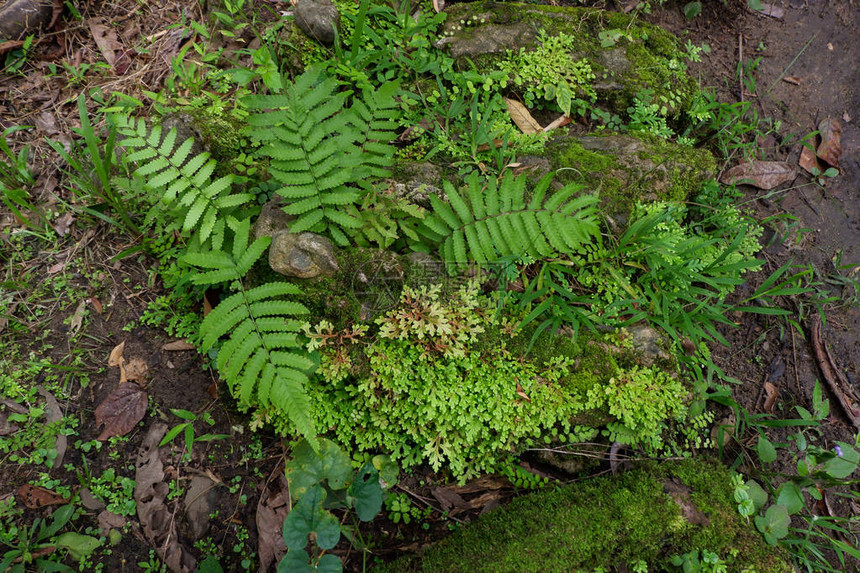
272	219
302	255
318	19
649	346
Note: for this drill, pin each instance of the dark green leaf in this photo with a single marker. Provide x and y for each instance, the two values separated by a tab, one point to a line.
308	467
295	561
692	9
766	451
790	496
308	516
367	493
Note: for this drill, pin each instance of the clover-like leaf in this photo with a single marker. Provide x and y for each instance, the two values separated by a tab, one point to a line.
295	561
308	517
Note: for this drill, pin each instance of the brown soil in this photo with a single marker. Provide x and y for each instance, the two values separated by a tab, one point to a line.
815	44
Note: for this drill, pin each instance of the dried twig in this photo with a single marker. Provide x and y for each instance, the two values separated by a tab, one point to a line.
835	378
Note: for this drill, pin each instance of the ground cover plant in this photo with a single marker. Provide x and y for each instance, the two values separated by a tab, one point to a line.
454	325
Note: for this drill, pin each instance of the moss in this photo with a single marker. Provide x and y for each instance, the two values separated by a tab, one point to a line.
606	522
645	57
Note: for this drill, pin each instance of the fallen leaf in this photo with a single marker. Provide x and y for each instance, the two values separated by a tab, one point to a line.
10	45
6	428
97	304
54	269
449	499
121	410
199	504
178	345
521	117
53	414
106	40
830	148
772	11
771	393
63	224
115	358
108	521
762	174
809	161
90	501
150	491
272	510
559	122
791	80
213	390
522	394
830	46
133	370
35	497
77	319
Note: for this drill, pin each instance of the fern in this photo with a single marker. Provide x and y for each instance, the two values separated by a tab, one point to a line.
496	221
182	183
320	150
262	361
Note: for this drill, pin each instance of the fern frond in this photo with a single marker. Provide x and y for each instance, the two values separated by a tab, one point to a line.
178	181
495	221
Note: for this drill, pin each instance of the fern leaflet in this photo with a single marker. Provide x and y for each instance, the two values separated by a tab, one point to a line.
495	220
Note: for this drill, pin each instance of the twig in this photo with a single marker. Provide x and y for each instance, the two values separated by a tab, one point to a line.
834	377
741	64
426	501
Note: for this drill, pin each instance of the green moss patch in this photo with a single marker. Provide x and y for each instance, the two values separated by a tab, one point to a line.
649	514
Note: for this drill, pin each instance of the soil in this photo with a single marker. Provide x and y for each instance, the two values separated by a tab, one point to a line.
813	46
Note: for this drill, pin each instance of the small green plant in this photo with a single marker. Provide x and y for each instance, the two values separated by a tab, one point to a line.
186	428
320	481
35	544
401	509
522	478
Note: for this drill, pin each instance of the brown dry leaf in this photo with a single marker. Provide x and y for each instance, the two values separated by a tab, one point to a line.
53	413
830	148
521	116
6	428
521	393
121	410
559	122
808	160
762	174
272	510
133	370
846	117
10	45
771	393
199	504
178	345
486	501
106	40
482	484
791	80
108	521
449	499
63	224
150	491
77	318
54	269
97	304
115	358
772	11
35	497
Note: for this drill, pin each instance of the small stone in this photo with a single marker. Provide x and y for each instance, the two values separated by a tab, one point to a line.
318	19
302	255
272	219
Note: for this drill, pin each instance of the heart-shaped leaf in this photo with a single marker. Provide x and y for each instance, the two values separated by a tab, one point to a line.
774	523
295	561
790	496
308	467
307	517
766	451
367	492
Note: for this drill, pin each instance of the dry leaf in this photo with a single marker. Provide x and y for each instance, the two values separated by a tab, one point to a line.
134	369
808	160
108	521
115	358
272	510
449	499
791	80
77	318
521	116
121	410
10	45
106	40
54	269
199	504
845	117
762	174
97	304
63	223
35	497
830	148
771	393
178	345
53	413
522	394
772	11
559	122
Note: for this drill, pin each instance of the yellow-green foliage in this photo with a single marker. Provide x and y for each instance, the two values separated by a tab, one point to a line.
443	382
599	524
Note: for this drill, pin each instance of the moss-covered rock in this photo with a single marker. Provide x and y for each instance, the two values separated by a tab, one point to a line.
631	56
624	169
649	514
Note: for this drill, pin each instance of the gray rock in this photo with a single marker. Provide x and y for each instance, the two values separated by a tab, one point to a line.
648	345
318	19
302	255
272	219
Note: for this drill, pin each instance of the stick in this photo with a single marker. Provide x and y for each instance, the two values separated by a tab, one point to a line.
834	377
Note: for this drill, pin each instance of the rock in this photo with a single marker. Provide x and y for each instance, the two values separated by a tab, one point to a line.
415	182
641	56
318	19
272	219
19	18
625	168
303	255
648	344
